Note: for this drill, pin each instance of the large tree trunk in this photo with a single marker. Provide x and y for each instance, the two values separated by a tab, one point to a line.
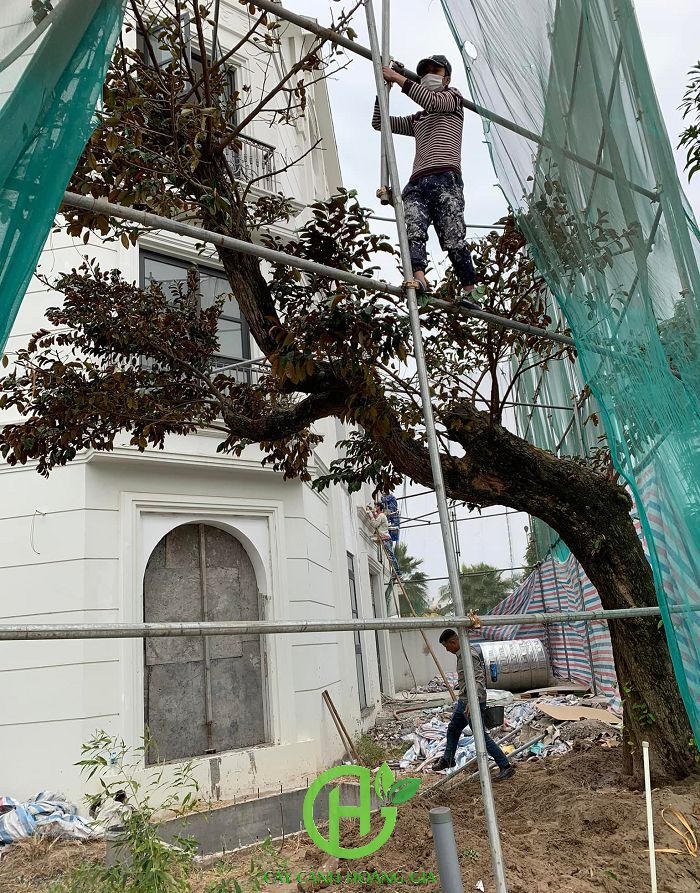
653	709
592	515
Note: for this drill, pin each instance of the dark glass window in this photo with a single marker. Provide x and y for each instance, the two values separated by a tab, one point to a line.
234	337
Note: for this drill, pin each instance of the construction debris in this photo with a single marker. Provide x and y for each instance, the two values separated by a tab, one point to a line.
523	721
436	684
577	711
49	815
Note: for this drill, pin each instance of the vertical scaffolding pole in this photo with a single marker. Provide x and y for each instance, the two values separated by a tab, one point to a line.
384	191
558	596
588	629
436	467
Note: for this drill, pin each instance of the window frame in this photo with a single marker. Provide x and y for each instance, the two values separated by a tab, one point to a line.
209	270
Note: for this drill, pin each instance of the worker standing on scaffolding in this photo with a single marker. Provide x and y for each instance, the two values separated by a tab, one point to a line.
435	192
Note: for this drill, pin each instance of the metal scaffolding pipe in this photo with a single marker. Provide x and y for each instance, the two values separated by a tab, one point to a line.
154	221
26	632
384	191
311	25
494	839
357	48
468	225
494	319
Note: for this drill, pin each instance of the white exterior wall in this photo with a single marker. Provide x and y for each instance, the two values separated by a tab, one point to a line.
74	548
420	667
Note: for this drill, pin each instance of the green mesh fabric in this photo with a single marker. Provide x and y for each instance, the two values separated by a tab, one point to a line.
53	59
602	208
553	412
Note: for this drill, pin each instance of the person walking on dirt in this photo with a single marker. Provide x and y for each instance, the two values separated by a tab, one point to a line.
435	193
460	717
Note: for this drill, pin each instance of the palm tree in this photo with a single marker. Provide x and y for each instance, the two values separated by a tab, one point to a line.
531	554
415	582
482	589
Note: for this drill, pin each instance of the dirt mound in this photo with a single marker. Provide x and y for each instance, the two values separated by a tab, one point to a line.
566	824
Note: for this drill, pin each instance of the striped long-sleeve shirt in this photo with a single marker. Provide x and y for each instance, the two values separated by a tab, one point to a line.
437	129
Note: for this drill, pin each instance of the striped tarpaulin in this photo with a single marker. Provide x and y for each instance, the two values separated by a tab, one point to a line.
677	562
574	653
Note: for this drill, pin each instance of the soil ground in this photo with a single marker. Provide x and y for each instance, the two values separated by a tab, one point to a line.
567	825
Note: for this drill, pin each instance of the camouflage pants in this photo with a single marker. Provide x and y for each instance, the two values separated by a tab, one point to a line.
438	199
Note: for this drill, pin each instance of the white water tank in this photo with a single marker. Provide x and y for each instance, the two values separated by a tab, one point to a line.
518	665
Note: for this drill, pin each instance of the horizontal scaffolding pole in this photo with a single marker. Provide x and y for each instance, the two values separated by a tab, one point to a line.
154	221
513	324
334	37
494	570
35	632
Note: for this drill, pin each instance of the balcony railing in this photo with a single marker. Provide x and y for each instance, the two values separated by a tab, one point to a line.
243	371
252	159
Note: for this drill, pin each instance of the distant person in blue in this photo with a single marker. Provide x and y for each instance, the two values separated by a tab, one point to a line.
391	507
379	520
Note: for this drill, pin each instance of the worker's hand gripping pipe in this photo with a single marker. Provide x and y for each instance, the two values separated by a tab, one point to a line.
434	451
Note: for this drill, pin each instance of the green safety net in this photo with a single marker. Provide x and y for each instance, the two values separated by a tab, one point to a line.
53	59
599	200
555	411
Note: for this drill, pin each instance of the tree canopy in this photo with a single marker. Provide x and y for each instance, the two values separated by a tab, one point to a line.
483	587
690	137
415	582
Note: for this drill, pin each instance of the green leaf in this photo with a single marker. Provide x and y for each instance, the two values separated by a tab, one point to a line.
402	791
383	781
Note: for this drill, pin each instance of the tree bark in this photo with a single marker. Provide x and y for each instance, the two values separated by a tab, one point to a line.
592	515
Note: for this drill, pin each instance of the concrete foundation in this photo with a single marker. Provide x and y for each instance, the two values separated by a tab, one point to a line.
231	827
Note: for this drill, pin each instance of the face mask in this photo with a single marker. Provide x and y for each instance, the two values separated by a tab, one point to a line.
431	82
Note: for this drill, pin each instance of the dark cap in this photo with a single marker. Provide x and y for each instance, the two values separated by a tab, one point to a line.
436	60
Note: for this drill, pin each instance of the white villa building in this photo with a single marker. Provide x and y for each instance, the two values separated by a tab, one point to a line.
188	534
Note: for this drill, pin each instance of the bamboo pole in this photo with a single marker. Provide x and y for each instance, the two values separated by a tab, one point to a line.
340	726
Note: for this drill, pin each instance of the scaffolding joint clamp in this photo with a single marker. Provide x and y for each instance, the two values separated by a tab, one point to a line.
411	283
475	620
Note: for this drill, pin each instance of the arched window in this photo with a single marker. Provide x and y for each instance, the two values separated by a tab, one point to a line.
202	695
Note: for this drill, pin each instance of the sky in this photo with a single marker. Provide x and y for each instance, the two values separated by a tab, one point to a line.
418	28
